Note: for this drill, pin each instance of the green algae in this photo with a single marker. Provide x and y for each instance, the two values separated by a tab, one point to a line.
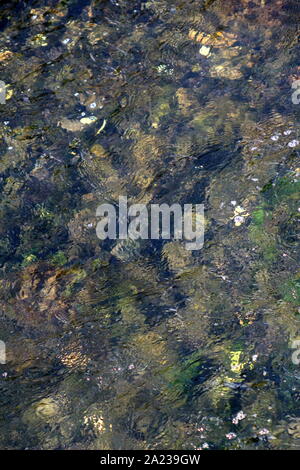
148	345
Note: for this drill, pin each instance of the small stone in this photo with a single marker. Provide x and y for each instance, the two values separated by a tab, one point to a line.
264	432
88	120
241	415
238	220
205	51
98	150
226	71
5	55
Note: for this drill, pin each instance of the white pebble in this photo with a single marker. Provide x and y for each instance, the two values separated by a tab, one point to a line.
241	415
263	432
238	220
204	50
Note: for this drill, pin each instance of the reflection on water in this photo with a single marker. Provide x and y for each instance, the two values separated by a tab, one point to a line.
138	345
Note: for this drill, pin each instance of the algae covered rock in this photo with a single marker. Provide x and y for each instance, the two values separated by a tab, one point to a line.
45	410
177	256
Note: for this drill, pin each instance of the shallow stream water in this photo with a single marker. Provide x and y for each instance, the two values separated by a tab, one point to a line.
146	345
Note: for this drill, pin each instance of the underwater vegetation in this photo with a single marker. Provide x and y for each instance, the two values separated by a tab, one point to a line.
122	344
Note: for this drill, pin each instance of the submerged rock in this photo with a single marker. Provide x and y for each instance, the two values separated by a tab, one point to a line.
46	410
126	250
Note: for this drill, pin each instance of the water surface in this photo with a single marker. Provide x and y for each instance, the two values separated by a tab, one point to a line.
146	345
